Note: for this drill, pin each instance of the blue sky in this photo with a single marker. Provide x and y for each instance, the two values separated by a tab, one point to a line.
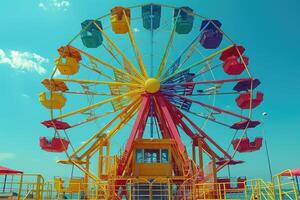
33	30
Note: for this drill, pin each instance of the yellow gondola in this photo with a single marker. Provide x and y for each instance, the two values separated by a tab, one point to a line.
67	65
118	19
55	101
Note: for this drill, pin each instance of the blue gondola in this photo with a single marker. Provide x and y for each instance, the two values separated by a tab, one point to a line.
151	16
91	36
184	20
211	36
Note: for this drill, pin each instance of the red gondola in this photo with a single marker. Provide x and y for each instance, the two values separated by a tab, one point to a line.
54	145
229	162
235	65
69	51
232	51
55	85
245	124
244	100
246	146
59	125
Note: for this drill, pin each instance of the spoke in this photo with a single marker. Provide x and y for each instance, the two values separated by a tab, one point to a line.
126	60
125	117
205	69
112	53
201	132
191	48
136	48
167	50
212	93
84	109
197	63
209	117
209	106
89	93
207	82
122	114
109	66
100	82
97	71
90	119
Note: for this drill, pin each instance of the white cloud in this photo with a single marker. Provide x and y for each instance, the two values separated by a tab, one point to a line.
24	61
7	156
55	4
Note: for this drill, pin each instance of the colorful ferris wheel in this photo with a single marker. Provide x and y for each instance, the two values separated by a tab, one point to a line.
165	83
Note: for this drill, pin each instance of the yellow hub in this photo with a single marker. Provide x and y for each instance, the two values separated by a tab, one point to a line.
152	85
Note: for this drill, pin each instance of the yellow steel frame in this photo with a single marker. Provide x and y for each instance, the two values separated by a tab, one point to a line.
132	67
136	48
167	50
139	80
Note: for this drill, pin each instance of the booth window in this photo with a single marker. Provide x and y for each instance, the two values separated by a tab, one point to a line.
152	156
139	156
164	156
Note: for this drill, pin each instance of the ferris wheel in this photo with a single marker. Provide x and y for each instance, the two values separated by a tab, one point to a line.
151	71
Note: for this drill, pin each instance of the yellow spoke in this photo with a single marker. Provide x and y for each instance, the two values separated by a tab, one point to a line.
125	118
126	60
100	82
97	71
167	51
111	53
81	110
90	119
109	66
103	129
136	48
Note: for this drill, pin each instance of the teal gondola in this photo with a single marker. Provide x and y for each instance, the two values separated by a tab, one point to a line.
91	36
183	19
151	16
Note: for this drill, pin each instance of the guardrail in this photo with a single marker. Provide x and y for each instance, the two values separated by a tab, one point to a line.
33	186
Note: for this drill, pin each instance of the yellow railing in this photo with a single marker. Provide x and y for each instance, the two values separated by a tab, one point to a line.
285	187
24	186
32	186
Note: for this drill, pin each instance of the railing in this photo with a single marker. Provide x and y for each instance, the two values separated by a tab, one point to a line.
24	186
33	187
258	189
285	187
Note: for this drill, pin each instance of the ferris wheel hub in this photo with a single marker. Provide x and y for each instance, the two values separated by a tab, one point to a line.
152	85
